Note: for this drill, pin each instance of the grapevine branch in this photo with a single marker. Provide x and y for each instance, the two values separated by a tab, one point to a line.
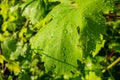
3	65
111	17
112	64
0	49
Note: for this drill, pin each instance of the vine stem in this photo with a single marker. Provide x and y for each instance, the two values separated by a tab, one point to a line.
112	64
0	49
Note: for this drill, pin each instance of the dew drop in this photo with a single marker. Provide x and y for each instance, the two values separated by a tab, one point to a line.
64	49
53	66
65	31
51	35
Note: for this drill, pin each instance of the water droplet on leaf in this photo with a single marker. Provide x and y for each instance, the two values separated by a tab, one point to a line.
51	35
64	49
53	66
65	31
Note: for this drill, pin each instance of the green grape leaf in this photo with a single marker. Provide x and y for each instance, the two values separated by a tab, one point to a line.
91	76
65	34
34	10
116	25
13	66
4	5
8	46
8	25
74	32
11	49
114	45
2	59
20	51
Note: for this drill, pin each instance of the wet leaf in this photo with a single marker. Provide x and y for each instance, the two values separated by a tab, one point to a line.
70	35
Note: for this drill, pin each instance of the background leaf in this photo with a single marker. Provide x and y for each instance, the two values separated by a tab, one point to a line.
34	10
